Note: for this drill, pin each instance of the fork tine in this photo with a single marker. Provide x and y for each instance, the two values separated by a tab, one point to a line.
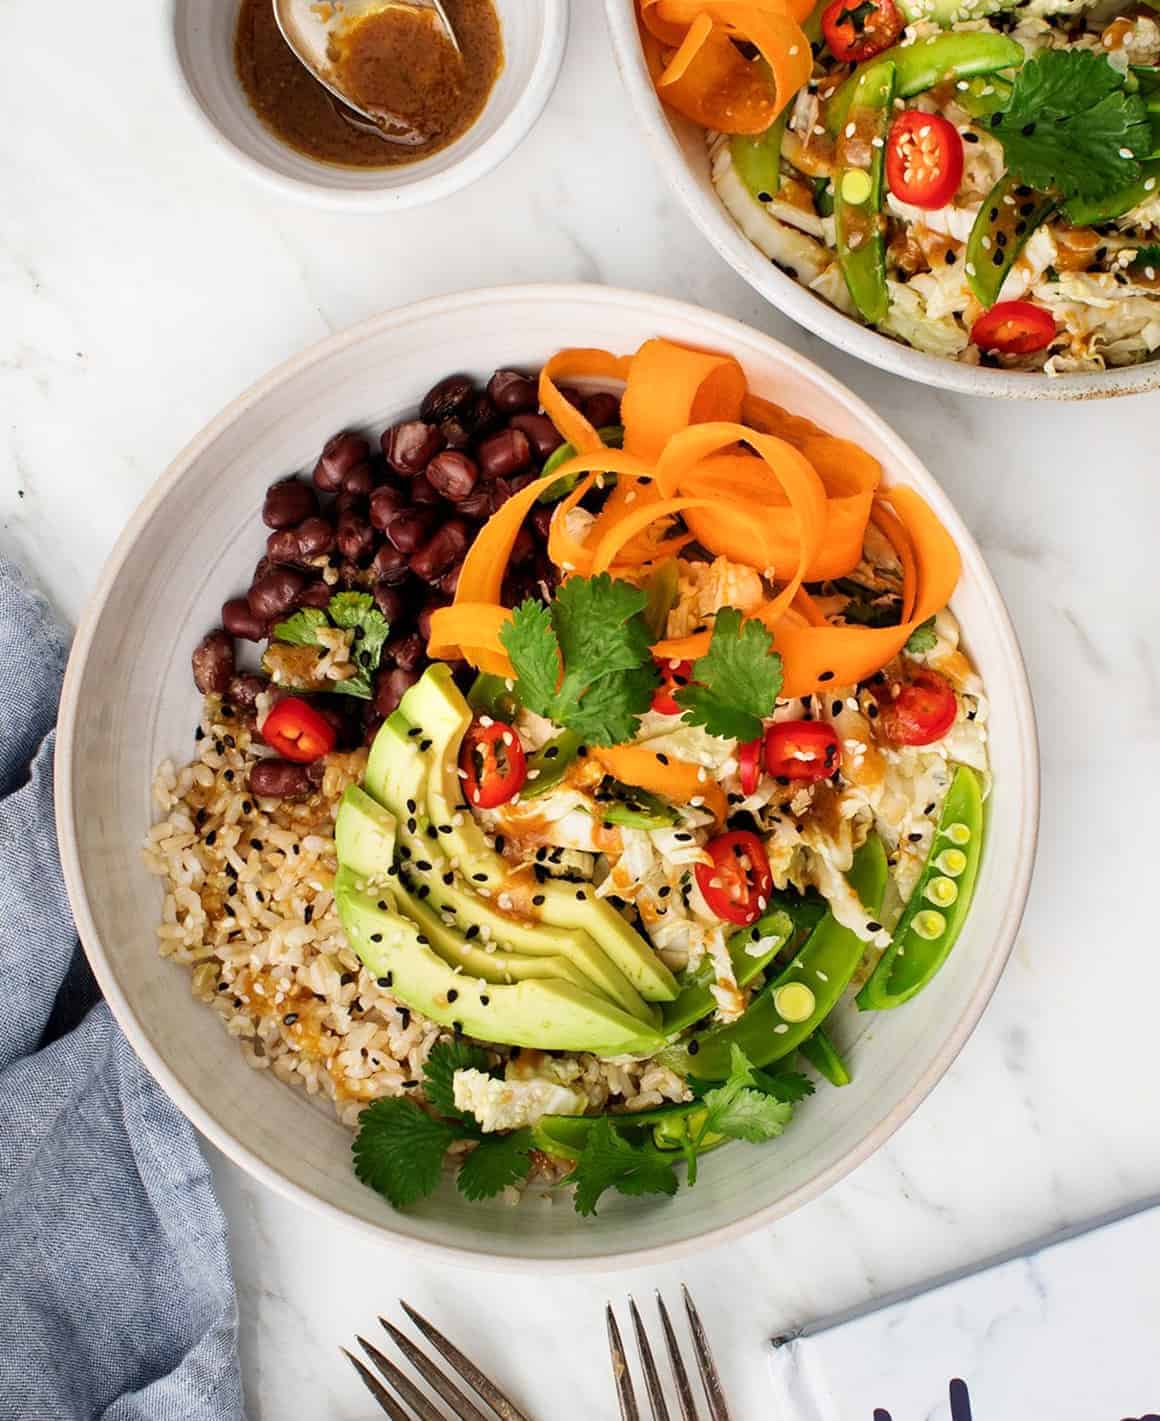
620	1373
503	1407
684	1390
376	1388
714	1393
464	1408
656	1395
402	1384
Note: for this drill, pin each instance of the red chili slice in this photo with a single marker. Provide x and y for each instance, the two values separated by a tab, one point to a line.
675	674
918	711
859	29
298	732
493	763
749	765
737	884
1014	328
801	750
924	159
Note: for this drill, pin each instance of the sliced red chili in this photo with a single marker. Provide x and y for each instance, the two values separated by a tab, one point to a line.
493	764
737	884
801	750
924	159
749	765
298	732
675	674
1014	328
859	29
917	711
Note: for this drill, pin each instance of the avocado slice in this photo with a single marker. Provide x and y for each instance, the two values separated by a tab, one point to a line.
435	707
396	776
364	835
547	1014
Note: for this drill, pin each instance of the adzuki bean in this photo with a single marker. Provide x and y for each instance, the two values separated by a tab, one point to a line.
240	621
282	545
505	453
452	474
411	446
423	621
316	594
524	547
279	779
385	503
315	538
389	601
410	530
244	689
288	502
389	565
406	650
442	550
446	398
354	536
359	481
213	662
390	688
275	593
601	410
341	453
542	434
423	492
512	393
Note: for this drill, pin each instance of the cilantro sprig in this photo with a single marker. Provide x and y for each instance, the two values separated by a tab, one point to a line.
400	1147
1071	127
735	684
922	638
350	611
584	662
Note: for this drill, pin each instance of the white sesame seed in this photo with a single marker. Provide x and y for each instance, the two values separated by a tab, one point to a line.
850	130
970	268
1126	153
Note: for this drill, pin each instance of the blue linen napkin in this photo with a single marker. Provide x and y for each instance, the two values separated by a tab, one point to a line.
116	1298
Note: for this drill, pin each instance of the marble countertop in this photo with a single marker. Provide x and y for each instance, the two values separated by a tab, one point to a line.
145	282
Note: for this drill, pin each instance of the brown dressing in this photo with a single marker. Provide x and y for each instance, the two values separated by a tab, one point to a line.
392	60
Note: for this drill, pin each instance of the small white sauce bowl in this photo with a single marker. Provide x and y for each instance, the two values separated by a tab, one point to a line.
534	36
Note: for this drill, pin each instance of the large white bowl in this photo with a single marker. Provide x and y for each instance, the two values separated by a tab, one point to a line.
534	33
129	702
681	152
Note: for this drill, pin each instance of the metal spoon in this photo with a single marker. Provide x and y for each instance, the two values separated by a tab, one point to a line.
307	25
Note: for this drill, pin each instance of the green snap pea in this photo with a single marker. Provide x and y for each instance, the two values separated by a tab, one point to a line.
825	1058
661	591
757	159
695	999
984	95
922	65
934	915
635	808
548	765
564	1136
861	228
1088	212
1010	213
821	971
612	435
489	695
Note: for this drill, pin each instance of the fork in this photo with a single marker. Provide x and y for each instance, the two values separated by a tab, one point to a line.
400	1392
714	1393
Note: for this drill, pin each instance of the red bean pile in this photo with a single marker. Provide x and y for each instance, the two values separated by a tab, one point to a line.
398	523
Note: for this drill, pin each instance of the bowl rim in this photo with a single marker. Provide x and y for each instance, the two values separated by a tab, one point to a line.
810	310
715	328
503	142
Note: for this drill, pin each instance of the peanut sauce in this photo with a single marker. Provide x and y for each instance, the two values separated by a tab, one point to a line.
393	60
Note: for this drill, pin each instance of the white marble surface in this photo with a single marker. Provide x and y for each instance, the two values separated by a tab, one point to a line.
144	282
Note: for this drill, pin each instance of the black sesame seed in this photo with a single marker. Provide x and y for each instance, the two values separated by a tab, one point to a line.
694	1047
404	851
969	137
551	752
500	841
582	752
382	905
423	890
484	1001
993	215
347	978
410	1085
414	730
836	709
873	927
1028	129
872	712
233	890
424	746
228	776
376	937
308	913
445	828
199	733
211	839
580	895
405	1017
1000	239
472	932
423	865
449	878
998	258
915	837
664	891
411	806
247	807
662	759
538	901
479	877
929	809
825	675
422	941
296	849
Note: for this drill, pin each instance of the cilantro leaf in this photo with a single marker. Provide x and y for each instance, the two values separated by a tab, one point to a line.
399	1150
300	629
922	638
496	1162
1147	256
443	1060
585	662
742	1108
735	684
609	1161
789	1086
357	612
1069	124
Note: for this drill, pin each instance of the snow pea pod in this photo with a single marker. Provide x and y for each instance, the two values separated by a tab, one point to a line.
922	65
548	765
757	159
1010	213
1087	212
612	435
695	999
661	590
861	228
564	1136
825	1058
984	95
936	910
816	978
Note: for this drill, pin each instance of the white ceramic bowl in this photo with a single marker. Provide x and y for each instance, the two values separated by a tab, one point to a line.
534	34
129	702
681	152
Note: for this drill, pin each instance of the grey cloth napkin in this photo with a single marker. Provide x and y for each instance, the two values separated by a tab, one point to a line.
116	1299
